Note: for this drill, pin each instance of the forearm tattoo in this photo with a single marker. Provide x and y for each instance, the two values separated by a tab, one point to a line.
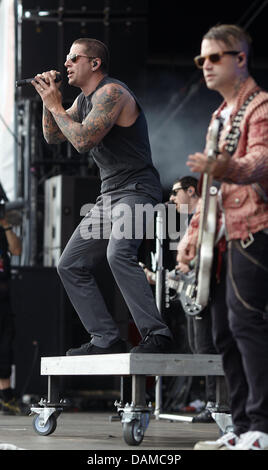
51	131
105	108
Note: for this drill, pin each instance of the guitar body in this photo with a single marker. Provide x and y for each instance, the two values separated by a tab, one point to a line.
184	286
187	293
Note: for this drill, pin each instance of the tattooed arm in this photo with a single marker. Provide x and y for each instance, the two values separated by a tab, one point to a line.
51	131
110	104
107	104
49	91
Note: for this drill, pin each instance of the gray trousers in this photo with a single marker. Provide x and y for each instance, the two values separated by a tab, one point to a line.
108	230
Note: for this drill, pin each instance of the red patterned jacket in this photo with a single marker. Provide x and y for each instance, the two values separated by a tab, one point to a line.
244	203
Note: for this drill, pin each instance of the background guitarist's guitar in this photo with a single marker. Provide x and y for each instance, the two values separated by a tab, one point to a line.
182	285
186	285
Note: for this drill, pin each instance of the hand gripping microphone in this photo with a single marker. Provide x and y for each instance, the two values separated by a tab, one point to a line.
26	81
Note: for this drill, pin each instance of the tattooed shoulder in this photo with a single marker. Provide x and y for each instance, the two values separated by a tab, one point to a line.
107	104
109	96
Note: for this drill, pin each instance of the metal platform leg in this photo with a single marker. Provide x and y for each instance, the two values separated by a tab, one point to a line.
139	390
158	396
135	417
46	414
53	389
125	396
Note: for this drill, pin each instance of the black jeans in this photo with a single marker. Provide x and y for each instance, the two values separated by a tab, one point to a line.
240	331
6	337
199	329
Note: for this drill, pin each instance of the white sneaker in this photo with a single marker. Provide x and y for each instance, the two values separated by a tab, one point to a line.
225	442
252	440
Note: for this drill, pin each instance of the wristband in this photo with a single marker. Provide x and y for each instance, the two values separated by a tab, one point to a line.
8	228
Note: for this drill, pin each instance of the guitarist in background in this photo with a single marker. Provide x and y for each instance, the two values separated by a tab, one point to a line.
239	314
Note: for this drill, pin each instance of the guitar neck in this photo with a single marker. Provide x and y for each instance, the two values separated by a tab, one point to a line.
206	184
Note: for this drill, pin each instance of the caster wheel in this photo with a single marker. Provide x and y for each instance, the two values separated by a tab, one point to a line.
133	433
49	427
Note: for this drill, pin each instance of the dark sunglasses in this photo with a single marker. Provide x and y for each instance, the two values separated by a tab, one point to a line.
173	192
74	57
214	58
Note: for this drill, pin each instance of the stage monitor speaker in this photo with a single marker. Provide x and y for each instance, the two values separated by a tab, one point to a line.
64	197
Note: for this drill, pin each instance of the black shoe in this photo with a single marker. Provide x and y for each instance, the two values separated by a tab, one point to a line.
203	417
13	408
89	349
158	344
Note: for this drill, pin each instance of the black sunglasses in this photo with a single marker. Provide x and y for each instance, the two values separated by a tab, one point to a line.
173	192
214	58
74	57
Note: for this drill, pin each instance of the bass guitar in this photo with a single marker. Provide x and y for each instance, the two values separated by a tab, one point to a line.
182	285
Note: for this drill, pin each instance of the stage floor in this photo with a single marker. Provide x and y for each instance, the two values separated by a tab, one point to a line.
97	431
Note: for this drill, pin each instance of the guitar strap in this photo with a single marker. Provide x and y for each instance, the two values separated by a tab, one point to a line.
232	139
233	136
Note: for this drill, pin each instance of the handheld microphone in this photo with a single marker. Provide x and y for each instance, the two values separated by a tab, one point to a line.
14	205
169	203
26	81
9	210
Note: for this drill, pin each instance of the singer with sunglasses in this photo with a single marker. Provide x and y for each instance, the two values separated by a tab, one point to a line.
239	301
107	120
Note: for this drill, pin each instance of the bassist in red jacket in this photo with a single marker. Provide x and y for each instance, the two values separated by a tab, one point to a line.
240	317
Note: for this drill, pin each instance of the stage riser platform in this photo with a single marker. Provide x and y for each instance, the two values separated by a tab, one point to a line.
134	416
134	364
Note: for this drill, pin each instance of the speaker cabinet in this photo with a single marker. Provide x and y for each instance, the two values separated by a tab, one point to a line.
64	197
